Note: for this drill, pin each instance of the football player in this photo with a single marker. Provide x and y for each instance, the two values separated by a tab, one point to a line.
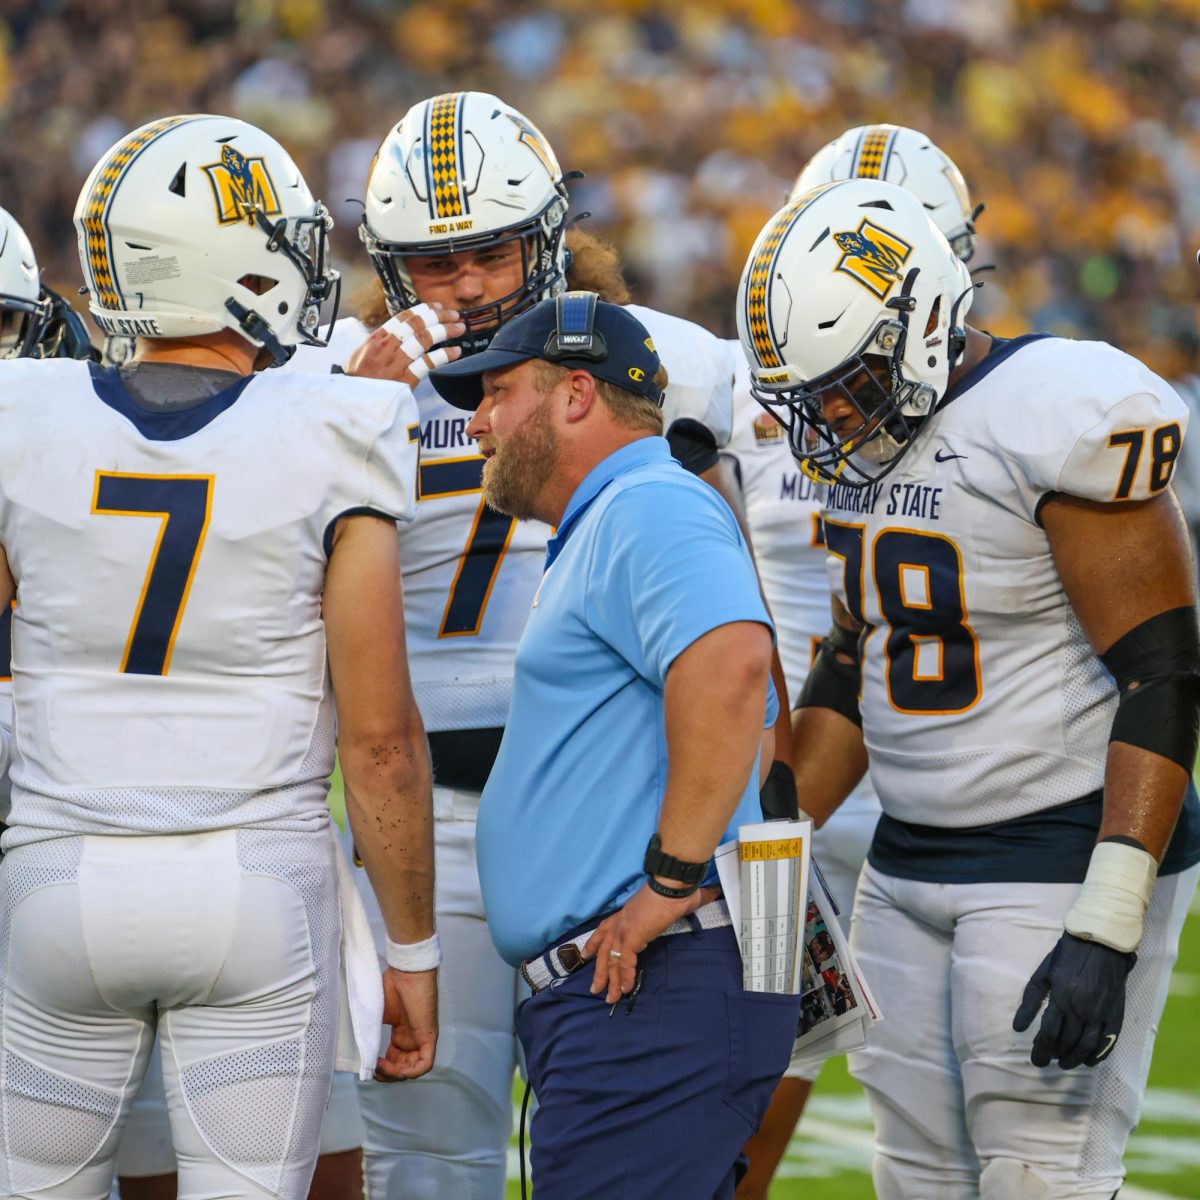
783	506
465	222
205	558
35	322
1015	647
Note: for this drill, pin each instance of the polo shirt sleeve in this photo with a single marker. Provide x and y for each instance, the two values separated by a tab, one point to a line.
669	565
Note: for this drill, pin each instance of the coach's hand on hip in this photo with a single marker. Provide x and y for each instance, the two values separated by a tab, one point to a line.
619	939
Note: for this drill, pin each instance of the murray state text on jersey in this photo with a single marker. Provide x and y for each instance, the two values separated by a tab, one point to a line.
920	500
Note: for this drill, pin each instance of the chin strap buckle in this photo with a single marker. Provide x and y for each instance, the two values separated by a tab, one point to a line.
258	331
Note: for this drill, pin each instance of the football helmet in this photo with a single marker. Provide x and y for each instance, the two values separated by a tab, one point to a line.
905	157
193	224
852	298
464	171
25	307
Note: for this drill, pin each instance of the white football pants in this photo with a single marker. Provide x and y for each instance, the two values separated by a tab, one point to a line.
446	1134
960	1111
228	942
145	1148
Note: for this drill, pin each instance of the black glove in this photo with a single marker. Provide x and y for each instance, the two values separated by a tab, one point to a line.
1086	985
778	796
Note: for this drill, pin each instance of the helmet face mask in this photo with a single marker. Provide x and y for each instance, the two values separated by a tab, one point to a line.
25	306
461	174
880	412
303	242
847	312
541	276
23	325
195	224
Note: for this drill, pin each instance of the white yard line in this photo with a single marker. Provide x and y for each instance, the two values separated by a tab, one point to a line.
1184	984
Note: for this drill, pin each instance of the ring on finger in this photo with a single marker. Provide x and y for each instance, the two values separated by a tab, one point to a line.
614	954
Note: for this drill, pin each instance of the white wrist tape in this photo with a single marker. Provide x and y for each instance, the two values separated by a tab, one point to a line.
414	956
1116	893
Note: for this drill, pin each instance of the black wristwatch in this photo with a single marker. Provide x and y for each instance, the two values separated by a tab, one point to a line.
658	863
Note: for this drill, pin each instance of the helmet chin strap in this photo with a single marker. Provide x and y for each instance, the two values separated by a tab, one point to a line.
259	332
903	305
956	336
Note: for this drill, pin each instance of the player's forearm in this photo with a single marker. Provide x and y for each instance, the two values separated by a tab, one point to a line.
783	722
714	700
829	758
1143	793
389	805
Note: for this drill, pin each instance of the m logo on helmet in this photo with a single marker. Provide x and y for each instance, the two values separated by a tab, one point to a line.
873	256
241	187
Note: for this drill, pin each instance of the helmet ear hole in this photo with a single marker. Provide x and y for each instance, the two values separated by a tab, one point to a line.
935	313
259	285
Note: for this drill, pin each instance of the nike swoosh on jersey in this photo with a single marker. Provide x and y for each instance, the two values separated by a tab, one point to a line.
939	456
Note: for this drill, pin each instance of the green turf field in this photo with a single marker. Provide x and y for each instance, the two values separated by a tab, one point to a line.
832	1150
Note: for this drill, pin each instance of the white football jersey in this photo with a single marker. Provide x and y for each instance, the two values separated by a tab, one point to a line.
783	511
470	573
700	378
168	651
982	699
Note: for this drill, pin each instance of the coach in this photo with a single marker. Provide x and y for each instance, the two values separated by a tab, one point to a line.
629	755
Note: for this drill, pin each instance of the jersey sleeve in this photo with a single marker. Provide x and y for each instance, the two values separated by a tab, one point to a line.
1099	425
343	338
658	585
378	430
1130	453
699	371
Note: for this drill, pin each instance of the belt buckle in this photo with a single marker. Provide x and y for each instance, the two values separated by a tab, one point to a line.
570	957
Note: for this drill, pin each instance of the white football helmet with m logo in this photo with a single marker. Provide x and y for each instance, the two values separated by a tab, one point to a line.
464	171
906	157
851	292
193	224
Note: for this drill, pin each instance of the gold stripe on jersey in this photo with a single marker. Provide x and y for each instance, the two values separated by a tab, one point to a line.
873	151
444	155
95	214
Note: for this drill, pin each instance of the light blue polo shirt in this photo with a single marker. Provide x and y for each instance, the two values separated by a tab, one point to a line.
647	559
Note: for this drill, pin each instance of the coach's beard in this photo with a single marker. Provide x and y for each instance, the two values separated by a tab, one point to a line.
514	476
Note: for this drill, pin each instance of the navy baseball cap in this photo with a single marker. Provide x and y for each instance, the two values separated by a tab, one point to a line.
574	330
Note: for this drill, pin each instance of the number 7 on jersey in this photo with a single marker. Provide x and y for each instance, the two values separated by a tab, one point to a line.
183	503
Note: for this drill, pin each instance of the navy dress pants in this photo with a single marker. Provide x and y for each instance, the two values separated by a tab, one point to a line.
657	1101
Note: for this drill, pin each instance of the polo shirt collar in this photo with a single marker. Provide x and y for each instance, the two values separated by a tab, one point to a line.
644	452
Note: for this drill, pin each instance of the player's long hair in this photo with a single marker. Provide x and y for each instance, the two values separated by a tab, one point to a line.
595	267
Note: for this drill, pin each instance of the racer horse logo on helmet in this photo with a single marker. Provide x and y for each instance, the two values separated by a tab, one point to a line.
873	256
242	186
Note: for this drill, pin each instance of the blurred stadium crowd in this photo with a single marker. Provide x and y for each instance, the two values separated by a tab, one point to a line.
1077	122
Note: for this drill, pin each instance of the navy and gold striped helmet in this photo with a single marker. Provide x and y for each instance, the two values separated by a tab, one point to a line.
851	292
905	157
193	224
466	172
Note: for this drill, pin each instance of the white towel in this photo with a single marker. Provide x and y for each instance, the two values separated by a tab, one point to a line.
360	1014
